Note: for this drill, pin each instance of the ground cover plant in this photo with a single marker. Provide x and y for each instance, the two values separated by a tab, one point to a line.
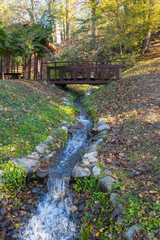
131	107
29	112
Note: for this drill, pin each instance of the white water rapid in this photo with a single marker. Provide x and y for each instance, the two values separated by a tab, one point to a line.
53	219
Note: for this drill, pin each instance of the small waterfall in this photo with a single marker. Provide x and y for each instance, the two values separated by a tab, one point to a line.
54	220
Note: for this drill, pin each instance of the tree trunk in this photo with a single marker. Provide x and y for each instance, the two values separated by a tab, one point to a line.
146	42
121	50
25	70
93	13
67	20
33	11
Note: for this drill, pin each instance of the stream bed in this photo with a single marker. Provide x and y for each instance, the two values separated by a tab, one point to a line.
54	219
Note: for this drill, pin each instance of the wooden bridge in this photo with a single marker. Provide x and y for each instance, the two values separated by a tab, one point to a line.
83	72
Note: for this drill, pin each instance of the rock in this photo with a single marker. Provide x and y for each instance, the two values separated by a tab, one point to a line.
102	133
101	122
40	149
51	138
151	236
54	134
97	143
91	148
131	231
106	183
35	190
75	201
43	145
114	199
64	128
94	147
94	130
90	160
15	236
103	127
81	207
91	154
107	172
73	209
66	124
29	164
117	211
48	143
42	159
41	174
34	155
3	211
80	172
119	220
96	171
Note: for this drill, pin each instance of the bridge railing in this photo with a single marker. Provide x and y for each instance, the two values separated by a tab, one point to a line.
83	72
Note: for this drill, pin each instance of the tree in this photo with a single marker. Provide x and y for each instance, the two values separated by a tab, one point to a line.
28	40
129	23
4	45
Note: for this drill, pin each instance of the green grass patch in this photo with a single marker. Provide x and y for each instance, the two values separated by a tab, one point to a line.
29	112
137	209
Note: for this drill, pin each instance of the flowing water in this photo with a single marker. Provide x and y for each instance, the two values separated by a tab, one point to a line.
53	219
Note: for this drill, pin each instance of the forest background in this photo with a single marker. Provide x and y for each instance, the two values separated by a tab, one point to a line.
90	29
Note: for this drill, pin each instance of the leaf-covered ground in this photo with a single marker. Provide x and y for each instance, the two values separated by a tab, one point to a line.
131	107
29	111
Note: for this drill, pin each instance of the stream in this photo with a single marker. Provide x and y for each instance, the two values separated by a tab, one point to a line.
53	219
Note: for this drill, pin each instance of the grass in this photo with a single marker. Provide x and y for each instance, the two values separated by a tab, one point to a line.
29	112
82	90
131	107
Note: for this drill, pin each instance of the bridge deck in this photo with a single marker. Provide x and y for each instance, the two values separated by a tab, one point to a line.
83	74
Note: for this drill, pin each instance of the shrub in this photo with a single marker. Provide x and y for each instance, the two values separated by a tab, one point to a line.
13	175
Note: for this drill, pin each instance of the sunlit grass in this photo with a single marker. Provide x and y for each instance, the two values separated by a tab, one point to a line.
28	115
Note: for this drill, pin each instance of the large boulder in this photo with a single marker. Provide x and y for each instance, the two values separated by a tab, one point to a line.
29	164
106	183
80	172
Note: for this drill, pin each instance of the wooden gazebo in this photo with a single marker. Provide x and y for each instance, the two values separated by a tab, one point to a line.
35	66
